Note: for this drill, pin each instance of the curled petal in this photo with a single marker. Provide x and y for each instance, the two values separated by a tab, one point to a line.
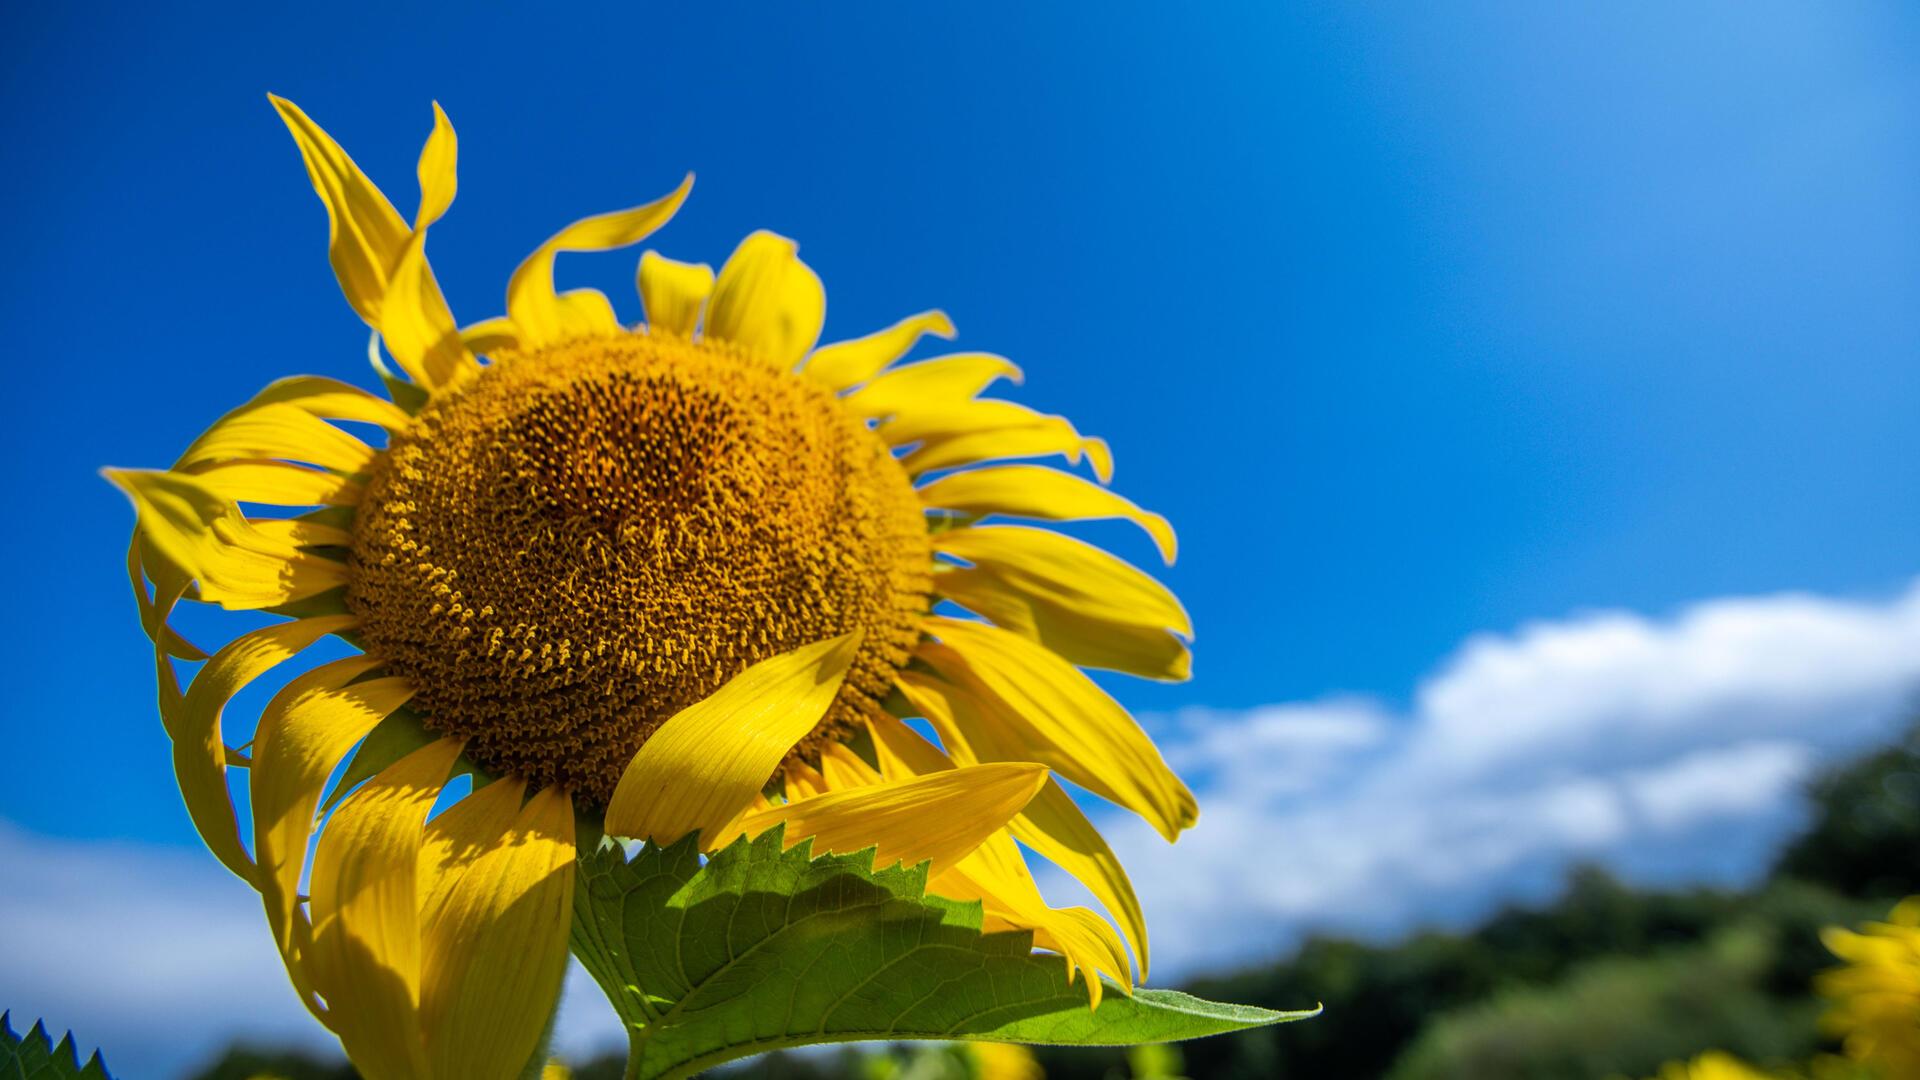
939	819
1032	491
845	364
711	758
1034	705
366	233
540	317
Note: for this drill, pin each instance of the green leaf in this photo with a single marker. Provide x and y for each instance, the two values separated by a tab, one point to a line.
759	949
35	1057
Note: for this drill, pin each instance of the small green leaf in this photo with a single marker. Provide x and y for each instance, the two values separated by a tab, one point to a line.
409	396
35	1057
760	949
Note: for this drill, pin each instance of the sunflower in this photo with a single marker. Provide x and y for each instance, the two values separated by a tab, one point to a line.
1712	1065
689	576
1876	993
1003	1061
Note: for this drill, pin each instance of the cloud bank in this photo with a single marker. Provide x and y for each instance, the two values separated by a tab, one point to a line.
1672	750
161	958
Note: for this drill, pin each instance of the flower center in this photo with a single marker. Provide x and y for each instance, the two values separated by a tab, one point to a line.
586	539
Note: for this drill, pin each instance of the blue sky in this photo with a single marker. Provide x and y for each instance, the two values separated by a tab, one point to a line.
1421	322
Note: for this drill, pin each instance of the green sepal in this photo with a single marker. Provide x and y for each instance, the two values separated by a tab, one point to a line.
396	736
760	949
411	397
34	1056
939	521
331	602
340	517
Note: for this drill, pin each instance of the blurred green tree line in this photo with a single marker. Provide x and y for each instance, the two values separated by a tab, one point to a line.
1606	982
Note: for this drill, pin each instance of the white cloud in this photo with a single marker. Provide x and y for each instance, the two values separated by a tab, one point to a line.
161	958
155	954
1740	780
1670	749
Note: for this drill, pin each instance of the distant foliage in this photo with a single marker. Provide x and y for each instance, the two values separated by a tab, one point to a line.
1379	997
249	1062
1623	1016
1865	840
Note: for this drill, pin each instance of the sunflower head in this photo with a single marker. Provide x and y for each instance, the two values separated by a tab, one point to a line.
1875	994
686	575
586	538
1712	1065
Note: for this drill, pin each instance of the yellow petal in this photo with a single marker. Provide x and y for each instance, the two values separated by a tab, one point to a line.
1033	491
800	780
845	364
415	321
698	769
304	733
539	316
1043	709
1067	572
454	843
329	399
904	760
168	590
1086	940
302	532
1010	901
952	416
278	430
380	262
366	917
937	819
499	905
418	327
1052	824
841	769
767	301
200	750
941	381
206	539
1052	435
365	234
437	170
673	293
1085	629
491	336
278	483
169	586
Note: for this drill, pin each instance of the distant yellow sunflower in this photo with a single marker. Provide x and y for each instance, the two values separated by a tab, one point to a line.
1003	1061
1712	1065
669	576
1876	993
